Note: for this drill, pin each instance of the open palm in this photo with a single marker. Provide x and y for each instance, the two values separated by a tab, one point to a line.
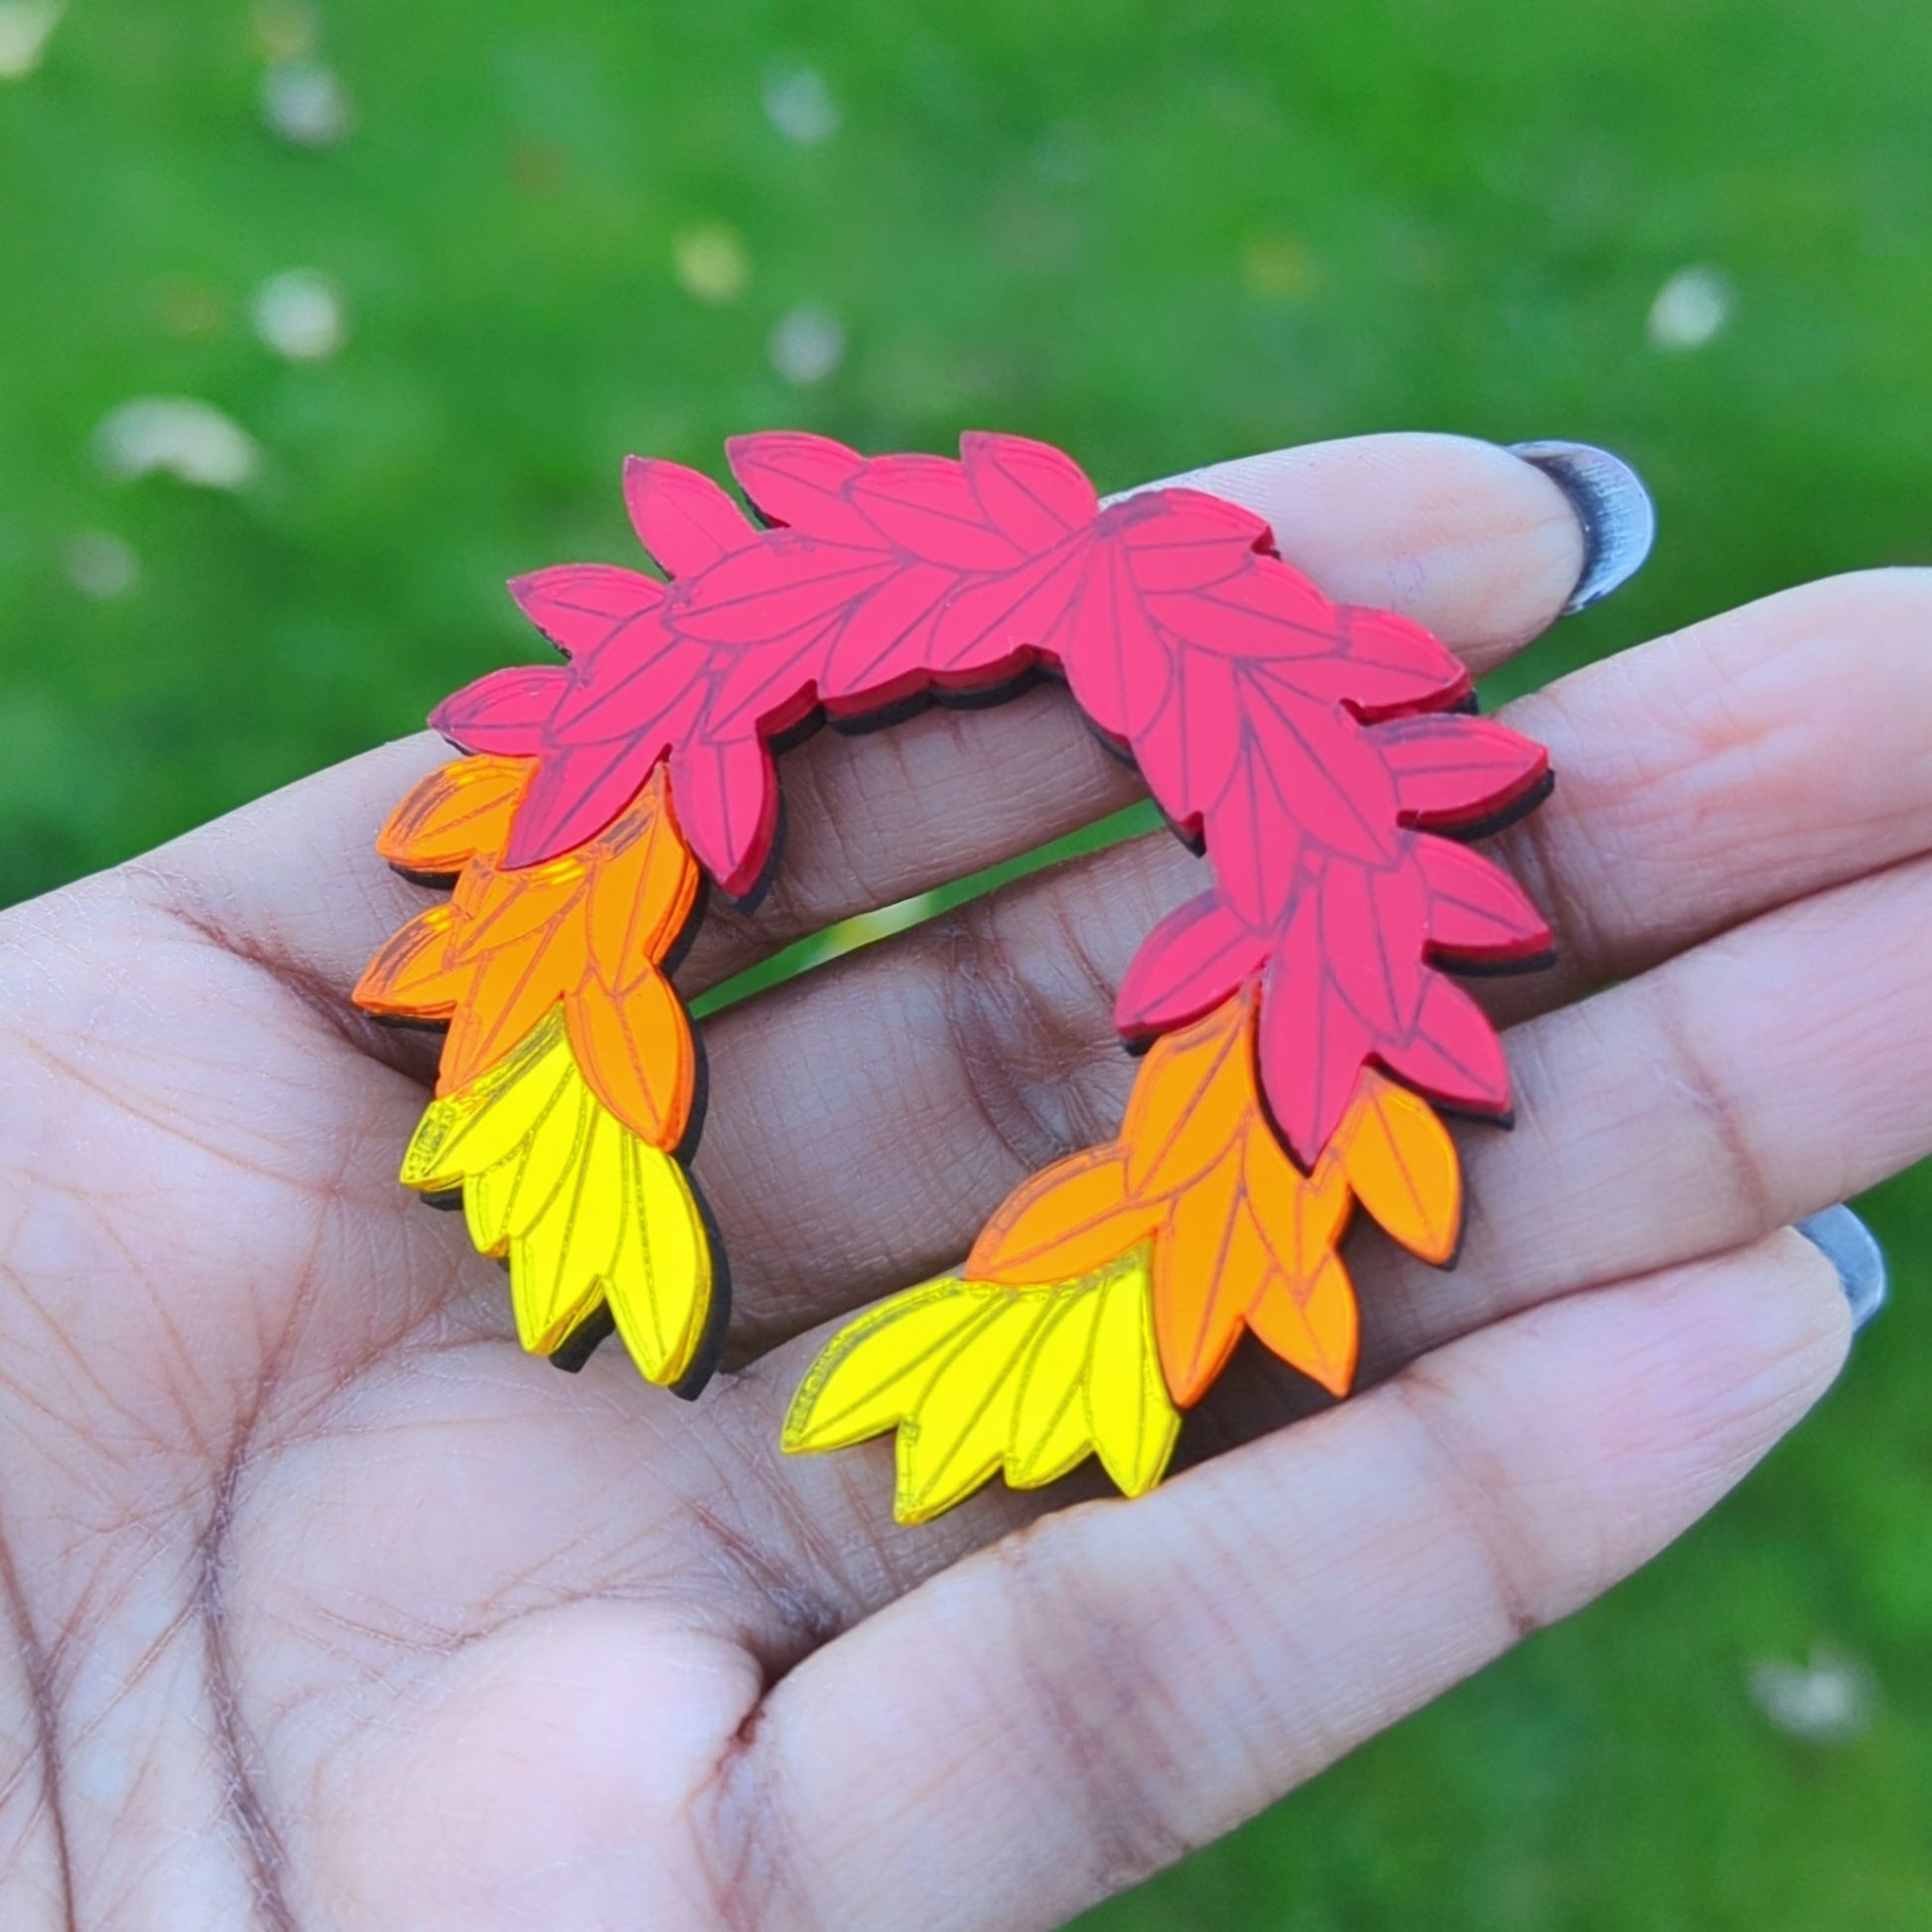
330	1609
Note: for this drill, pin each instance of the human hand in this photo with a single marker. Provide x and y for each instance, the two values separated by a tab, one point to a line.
333	1609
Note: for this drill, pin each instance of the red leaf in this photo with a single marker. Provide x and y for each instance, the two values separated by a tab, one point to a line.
1457	771
574	794
1200	742
581	608
1032	491
1259	608
1179	541
1244	694
1373	923
787	583
801	480
504	712
997	620
1388	665
1258	844
681	516
1453	1055
1118	665
725	793
1313	1044
622	697
925	505
886	639
1475	909
1186	966
1323	763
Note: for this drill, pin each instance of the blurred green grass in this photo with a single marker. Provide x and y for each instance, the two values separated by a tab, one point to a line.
1156	235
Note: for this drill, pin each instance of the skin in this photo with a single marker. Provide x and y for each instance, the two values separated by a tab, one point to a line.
328	1608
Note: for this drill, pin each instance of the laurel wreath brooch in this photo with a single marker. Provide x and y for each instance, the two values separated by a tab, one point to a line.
1304	1030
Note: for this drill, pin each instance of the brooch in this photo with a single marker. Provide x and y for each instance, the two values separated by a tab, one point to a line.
1303	1033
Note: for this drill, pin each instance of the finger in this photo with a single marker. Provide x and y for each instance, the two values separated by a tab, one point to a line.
1474	542
1770	751
867	1118
1087	1702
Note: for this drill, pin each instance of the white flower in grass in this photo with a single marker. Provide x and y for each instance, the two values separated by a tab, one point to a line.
26	26
103	566
176	435
807	344
1692	308
710	262
306	103
300	315
1831	1700
800	105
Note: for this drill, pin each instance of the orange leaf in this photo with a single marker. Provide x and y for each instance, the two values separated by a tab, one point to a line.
1209	1264
586	932
1067	1220
458	811
1311	1325
407	977
1191	1100
1402	1165
636	1055
1247	1238
1301	1216
642	896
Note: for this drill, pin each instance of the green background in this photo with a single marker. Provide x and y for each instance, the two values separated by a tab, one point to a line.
1156	235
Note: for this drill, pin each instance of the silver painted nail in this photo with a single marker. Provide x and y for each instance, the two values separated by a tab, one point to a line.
1852	1249
1619	520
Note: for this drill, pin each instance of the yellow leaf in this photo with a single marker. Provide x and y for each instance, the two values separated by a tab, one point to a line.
958	1435
1050	1430
486	1122
974	1375
1134	1424
567	1245
659	1285
585	1210
871	1374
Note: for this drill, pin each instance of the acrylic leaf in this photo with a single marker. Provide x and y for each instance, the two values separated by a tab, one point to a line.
1402	1165
1454	770
1199	1183
1308	743
1476	912
975	1377
1315	1330
1186	966
585	933
587	608
1453	1054
1241	1222
682	518
1070	1218
459	810
584	1212
504	712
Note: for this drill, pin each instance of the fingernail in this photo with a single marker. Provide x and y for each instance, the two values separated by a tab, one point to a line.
1852	1249
1619	520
